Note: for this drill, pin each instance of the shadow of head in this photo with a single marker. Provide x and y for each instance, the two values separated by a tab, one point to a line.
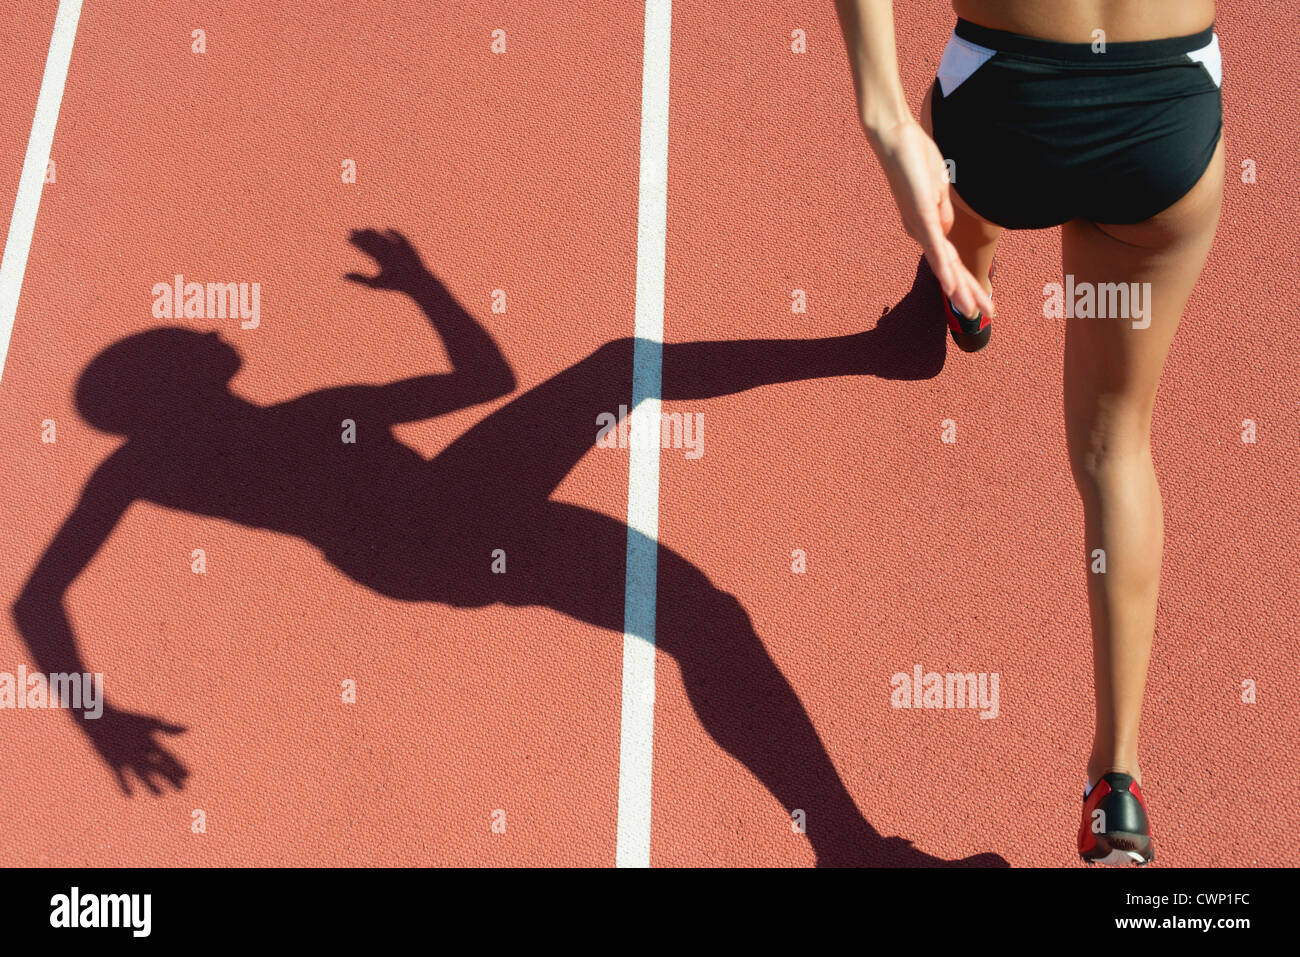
155	379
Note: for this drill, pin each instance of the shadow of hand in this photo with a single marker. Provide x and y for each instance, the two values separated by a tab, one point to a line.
399	263
125	741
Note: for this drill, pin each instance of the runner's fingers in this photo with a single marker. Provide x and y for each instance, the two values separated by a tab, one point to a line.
963	294
938	252
970	299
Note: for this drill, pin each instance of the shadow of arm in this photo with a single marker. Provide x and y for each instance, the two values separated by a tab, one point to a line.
127	742
38	612
480	372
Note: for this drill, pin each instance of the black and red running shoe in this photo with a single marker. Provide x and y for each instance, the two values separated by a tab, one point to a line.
971	335
1115	828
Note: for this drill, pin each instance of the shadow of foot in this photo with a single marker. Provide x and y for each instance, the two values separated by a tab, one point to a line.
910	341
899	852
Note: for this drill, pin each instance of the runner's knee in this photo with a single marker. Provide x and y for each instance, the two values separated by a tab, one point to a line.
1107	444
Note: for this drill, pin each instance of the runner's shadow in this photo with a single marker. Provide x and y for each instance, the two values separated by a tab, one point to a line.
475	525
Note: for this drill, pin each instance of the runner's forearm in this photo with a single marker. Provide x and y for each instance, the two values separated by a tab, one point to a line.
868	27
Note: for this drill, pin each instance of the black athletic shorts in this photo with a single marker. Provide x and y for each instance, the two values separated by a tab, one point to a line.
1037	133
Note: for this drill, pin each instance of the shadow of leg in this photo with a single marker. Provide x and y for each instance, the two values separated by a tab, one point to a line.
573	561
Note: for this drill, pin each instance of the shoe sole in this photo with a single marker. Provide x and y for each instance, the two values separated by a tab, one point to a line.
1121	848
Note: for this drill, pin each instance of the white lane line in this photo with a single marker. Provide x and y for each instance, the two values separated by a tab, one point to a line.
23	222
636	743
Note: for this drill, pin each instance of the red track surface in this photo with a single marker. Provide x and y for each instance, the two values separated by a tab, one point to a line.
519	172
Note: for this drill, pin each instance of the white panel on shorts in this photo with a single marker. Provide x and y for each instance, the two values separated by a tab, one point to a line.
1209	57
961	58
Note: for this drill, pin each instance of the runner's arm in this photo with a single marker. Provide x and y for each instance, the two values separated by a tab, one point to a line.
912	163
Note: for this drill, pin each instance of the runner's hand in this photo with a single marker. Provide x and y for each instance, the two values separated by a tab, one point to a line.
918	179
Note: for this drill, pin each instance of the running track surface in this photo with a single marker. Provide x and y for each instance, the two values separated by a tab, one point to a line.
519	171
